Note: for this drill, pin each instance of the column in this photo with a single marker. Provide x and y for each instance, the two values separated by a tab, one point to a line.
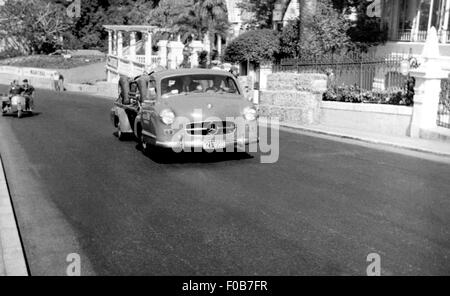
148	48
114	45
395	19
446	21
197	46
110	43
162	52
416	23
264	71
119	44
207	46
428	87
133	46
219	46
175	55
430	15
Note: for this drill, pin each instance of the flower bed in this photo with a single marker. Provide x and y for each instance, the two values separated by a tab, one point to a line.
352	94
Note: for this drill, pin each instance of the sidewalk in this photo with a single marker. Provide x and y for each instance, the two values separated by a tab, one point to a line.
12	261
419	145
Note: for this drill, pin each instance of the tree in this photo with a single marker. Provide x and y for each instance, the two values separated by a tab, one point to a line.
321	32
88	31
253	46
262	11
35	25
204	17
365	31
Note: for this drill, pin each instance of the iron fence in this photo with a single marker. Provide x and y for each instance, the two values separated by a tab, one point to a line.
361	71
443	119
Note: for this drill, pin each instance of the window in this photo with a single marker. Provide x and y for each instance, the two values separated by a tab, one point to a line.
199	84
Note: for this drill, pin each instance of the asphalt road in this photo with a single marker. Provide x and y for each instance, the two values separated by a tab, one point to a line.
320	210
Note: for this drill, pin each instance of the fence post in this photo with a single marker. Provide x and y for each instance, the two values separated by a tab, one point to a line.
264	71
428	87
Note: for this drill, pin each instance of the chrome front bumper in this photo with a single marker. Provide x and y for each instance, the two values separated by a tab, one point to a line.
199	144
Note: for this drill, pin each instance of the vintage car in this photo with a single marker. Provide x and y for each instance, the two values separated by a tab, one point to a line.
186	110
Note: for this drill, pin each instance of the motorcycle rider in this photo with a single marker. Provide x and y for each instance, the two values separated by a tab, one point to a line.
28	93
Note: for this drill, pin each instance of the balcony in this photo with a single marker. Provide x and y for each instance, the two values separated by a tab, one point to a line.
420	36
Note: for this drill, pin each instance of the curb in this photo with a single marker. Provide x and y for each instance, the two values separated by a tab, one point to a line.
12	257
288	127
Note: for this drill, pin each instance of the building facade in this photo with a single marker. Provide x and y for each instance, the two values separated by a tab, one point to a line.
410	20
408	23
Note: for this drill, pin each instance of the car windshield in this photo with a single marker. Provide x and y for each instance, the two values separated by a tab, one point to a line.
198	84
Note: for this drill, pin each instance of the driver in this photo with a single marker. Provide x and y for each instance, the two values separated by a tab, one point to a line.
188	85
28	93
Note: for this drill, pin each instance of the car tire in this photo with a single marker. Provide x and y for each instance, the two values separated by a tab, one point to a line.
121	136
144	145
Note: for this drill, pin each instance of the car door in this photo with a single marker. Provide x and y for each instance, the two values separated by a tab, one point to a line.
149	114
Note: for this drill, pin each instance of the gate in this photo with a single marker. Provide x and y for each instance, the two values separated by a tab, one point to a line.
443	118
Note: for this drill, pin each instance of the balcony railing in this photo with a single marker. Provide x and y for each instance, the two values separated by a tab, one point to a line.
410	36
420	36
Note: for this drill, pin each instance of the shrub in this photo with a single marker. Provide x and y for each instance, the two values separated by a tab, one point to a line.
10	53
255	46
352	94
203	59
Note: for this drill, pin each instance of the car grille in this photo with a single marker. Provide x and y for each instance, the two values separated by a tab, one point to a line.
211	128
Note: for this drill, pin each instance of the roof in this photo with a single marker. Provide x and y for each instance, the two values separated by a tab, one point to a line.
179	72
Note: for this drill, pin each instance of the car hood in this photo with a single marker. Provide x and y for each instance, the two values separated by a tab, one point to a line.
200	107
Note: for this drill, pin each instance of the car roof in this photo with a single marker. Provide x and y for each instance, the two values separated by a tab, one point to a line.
180	72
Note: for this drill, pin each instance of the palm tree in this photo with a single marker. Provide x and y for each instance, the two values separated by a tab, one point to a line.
205	17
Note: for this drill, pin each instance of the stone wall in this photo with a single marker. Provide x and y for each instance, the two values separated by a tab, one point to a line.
295	98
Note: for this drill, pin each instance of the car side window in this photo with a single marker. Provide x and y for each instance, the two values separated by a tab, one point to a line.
231	86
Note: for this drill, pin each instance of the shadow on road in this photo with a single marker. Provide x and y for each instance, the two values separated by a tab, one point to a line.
24	115
167	156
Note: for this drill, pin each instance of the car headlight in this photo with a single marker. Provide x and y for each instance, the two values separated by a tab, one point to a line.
250	114
167	116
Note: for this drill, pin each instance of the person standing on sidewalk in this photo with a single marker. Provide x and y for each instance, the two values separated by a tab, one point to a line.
61	82
56	81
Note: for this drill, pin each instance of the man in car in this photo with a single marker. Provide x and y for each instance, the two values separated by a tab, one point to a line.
28	93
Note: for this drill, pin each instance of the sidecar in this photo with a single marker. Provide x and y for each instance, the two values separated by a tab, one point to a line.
15	106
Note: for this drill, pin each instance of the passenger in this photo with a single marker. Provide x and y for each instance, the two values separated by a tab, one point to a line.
187	84
217	85
15	89
28	93
235	71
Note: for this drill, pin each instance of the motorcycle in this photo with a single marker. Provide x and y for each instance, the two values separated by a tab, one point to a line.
15	105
